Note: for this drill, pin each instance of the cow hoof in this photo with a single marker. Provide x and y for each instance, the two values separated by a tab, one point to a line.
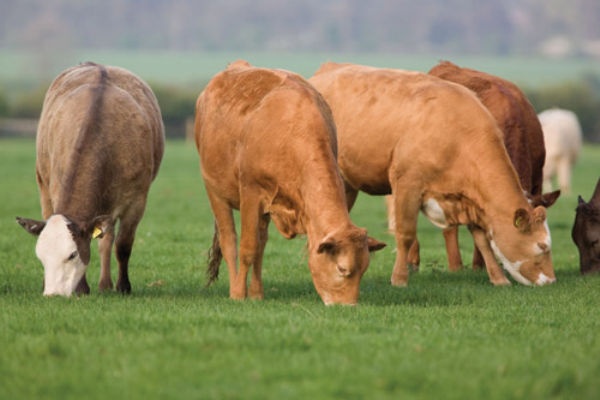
399	283
124	287
256	294
501	282
413	267
105	285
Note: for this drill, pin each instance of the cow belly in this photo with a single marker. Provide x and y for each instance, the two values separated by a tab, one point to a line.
434	213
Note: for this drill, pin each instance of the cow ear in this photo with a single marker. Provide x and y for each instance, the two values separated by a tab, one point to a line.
546	200
327	245
99	226
374	244
539	215
521	220
580	200
32	226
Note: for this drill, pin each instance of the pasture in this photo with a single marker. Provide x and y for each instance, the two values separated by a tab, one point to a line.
451	336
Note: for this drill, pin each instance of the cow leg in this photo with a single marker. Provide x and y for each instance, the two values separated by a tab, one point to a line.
256	290
124	244
249	241
414	256
478	261
351	195
82	286
452	248
389	205
407	206
494	270
104	247
227	236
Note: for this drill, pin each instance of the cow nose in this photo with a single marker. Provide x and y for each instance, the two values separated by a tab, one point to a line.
544	280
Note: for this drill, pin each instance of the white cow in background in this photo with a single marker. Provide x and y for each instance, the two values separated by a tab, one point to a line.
562	134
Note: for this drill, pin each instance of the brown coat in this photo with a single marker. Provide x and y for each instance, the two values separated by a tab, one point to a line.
521	133
436	148
267	147
586	232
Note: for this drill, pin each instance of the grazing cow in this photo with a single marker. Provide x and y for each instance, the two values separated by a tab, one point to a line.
100	143
522	136
437	149
586	233
562	133
267	146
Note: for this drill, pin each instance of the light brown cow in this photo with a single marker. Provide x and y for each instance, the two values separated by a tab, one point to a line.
437	149
522	136
100	143
267	147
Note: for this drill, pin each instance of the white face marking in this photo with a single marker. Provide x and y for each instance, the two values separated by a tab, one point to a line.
54	247
434	213
543	279
512	267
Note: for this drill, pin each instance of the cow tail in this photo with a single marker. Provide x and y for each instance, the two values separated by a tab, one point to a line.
215	255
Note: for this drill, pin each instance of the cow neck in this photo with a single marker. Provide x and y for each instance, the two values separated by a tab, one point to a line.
500	195
326	210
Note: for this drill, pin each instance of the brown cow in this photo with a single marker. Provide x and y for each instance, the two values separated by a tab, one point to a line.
522	135
100	143
436	148
267	147
586	233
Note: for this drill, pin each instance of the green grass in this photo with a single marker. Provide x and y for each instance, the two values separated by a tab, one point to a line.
196	68
450	336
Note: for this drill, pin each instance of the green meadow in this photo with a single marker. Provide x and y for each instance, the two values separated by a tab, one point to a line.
447	335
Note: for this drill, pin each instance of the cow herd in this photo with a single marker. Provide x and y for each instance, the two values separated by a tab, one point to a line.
461	146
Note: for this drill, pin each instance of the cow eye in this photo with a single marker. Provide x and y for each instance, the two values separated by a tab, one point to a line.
72	256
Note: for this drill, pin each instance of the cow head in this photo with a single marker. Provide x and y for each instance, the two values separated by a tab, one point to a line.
338	263
524	247
586	235
63	247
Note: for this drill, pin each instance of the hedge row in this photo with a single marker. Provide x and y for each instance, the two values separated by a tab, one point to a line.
177	104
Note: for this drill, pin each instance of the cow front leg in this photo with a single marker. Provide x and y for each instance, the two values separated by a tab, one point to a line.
494	270
124	245
249	242
104	248
256	290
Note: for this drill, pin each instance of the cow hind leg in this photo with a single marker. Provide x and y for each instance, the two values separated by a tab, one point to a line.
225	240
104	248
564	175
452	249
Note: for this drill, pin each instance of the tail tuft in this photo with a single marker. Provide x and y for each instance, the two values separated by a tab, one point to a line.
214	259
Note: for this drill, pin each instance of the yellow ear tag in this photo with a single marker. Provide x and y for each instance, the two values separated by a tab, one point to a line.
97	232
518	222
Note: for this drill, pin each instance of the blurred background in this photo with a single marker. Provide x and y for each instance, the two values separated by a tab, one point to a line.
550	48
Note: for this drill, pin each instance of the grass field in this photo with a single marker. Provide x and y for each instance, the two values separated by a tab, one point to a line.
446	336
196	68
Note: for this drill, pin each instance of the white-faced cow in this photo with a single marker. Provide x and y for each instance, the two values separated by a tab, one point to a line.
436	148
562	133
267	146
586	233
100	143
522	136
